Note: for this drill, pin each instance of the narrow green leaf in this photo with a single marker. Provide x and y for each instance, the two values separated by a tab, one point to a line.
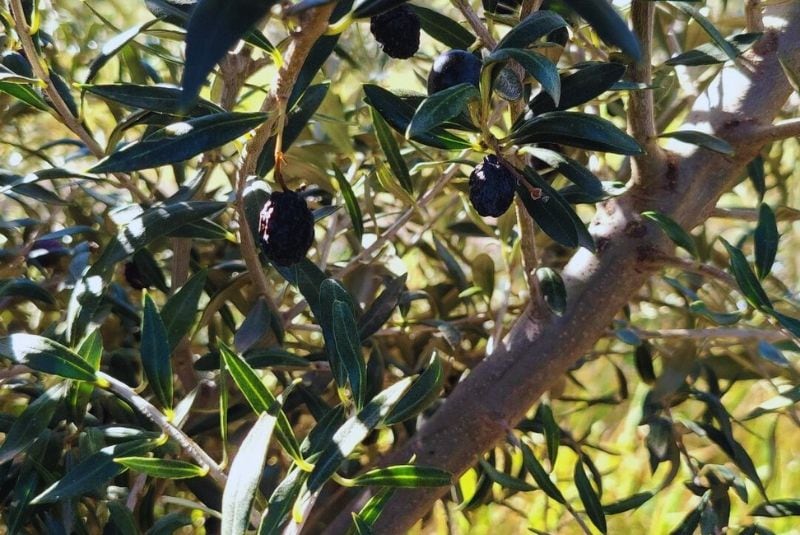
570	169
26	289
45	355
369	8
391	151
585	84
539	67
701	139
745	278
31	423
576	130
93	471
755	171
777	508
180	310
281	501
398	113
180	141
589	498
355	430
374	507
440	108
24	93
531	28
709	28
675	232
156	353
766	240
260	398
552	432
608	24
443	28
245	473
504	480
628	504
382	308
405	475
156	98
351	201
424	391
162	468
711	54
788	322
539	474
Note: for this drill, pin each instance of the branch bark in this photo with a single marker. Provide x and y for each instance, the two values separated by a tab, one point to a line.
538	351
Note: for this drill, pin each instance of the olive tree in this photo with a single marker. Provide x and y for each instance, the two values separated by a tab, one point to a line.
349	266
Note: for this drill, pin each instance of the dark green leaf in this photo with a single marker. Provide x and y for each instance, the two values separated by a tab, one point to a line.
407	475
553	214
162	468
627	504
245	473
746	279
93	471
777	509
181	308
643	358
24	288
440	108
215	26
424	391
260	399
156	353
45	355
675	232
347	346
608	24
539	474
31	423
382	308
553	290
772	354
368	8
391	151
766	240
155	98
443	28
589	498
755	170
576	130
691	520
351	202
354	430
710	53
180	141
538	66
579	87
169	524
701	139
398	114
726	47
533	27
789	323
504	480
570	169
552	432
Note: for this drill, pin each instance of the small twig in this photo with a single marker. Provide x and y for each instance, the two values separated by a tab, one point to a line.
157	417
477	25
752	14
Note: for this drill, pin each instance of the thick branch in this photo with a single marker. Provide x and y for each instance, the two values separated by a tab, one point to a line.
538	351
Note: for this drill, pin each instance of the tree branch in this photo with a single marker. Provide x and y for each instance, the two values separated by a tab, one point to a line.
538	351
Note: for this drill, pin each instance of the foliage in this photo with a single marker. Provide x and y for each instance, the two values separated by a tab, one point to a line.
159	372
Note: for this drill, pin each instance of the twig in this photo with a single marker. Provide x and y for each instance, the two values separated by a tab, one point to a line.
704	334
778	131
477	25
154	415
752	14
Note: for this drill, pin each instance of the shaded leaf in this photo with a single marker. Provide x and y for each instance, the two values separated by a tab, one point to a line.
608	24
576	130
675	232
443	28
701	139
628	504
553	290
531	28
440	107
539	67
746	279
180	141
766	240
181	308
31	423
539	474
589	498
579	87
156	353
777	508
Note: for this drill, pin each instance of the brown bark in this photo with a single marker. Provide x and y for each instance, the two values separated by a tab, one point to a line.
540	348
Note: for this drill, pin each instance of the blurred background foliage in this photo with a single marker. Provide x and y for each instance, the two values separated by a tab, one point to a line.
465	286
